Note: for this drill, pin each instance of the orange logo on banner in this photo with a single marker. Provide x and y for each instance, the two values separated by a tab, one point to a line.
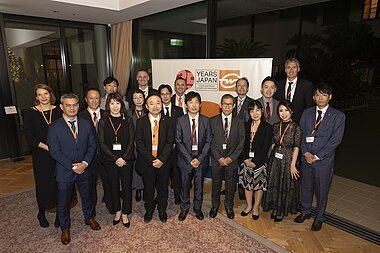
227	79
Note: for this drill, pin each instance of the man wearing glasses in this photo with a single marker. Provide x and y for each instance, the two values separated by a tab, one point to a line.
226	145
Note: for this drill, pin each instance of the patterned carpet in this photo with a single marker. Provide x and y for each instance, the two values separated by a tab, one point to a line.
20	232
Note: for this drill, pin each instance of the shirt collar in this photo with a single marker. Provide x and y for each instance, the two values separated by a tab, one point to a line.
323	109
196	117
229	117
294	80
92	111
152	119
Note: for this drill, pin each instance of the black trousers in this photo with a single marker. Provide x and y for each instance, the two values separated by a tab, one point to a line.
218	174
121	175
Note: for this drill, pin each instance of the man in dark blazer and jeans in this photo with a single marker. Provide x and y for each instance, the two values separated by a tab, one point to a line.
227	143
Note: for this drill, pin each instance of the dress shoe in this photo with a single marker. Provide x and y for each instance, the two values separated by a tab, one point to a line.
177	199
243	213
125	217
273	215
199	214
138	195
56	221
94	225
182	215
278	219
42	219
302	217
317	225
148	217
230	213
255	216
213	212
163	216
65	236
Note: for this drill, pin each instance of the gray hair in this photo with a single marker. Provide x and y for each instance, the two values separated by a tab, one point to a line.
293	60
69	96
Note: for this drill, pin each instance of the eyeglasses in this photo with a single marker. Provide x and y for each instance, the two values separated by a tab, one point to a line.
227	104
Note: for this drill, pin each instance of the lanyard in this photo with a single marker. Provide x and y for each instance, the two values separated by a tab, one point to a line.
138	113
115	130
253	133
71	130
286	129
316	125
43	115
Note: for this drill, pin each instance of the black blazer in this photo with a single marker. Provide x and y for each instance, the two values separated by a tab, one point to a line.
243	114
261	143
143	138
125	137
174	98
302	99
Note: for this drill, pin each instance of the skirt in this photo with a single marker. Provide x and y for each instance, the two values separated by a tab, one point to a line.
253	179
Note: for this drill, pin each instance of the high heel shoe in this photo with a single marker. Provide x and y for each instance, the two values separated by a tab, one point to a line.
117	218
255	216
244	213
128	224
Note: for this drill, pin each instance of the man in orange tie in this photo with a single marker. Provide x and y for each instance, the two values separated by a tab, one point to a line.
154	138
178	98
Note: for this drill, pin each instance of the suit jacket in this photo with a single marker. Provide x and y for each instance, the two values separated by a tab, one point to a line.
274	117
143	139
175	112
235	141
183	141
261	143
328	136
66	150
302	98
85	114
243	114
174	98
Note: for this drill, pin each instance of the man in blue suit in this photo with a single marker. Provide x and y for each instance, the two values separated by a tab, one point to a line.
193	139
72	144
323	128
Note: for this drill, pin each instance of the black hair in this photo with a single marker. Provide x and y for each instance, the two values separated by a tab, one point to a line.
163	86
117	97
251	106
323	88
179	78
225	96
110	79
288	106
242	78
192	94
268	78
91	89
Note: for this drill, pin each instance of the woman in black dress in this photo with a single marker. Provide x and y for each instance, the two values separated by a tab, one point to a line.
116	139
253	170
37	120
283	195
137	111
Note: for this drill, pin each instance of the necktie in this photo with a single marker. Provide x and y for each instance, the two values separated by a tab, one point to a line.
180	101
95	121
145	93
225	129
319	118
194	141
267	110
289	91
72	123
167	111
239	106
155	138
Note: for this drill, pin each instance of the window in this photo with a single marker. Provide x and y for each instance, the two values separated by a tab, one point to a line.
371	9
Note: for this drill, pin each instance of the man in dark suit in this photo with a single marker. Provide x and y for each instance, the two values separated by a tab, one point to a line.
142	78
193	138
178	98
268	88
174	112
227	143
154	143
323	128
242	100
72	144
297	90
93	114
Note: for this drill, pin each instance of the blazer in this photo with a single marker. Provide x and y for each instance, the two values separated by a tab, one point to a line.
302	98
66	150
328	136
143	139
183	141
175	112
261	143
243	114
125	135
235	141
85	114
274	117
174	98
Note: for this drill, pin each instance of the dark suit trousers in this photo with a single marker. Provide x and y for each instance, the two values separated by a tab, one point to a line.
116	176
218	174
318	181
65	190
175	174
156	180
186	176
101	171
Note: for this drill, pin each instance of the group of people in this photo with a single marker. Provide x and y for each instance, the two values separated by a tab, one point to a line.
264	146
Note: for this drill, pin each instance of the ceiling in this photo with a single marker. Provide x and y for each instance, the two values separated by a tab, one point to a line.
114	11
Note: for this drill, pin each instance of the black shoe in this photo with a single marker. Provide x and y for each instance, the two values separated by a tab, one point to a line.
42	219
177	199
138	195
148	217
273	215
317	225
182	215
128	224
278	219
255	216
199	214
230	213
302	217
244	213
213	212
163	216
56	221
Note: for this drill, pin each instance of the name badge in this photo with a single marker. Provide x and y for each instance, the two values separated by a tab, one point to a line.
154	148
310	139
224	146
194	147
278	155
116	146
251	154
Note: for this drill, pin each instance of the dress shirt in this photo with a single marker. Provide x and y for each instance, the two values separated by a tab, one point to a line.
146	91
270	100
293	88
92	113
152	119
169	106
183	102
323	111
196	124
240	101
69	124
229	117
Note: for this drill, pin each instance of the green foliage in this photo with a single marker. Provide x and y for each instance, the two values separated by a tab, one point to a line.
242	49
